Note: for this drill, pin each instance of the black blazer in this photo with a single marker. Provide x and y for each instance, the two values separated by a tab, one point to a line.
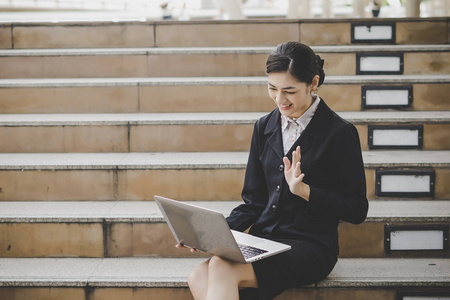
332	162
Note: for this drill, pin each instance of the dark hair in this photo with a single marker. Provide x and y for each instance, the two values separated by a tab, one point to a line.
298	59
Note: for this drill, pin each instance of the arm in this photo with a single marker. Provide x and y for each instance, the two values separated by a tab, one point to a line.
349	203
254	192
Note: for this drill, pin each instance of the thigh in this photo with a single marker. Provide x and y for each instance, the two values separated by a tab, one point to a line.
306	263
243	274
248	277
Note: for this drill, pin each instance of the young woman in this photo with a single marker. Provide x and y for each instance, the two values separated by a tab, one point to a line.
304	174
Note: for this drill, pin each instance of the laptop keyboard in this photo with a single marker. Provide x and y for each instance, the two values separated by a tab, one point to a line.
249	251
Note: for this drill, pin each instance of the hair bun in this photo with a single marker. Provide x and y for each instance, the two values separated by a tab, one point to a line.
320	61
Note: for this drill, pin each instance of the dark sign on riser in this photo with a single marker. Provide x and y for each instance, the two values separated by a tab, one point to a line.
387	96
373	32
427	237
423	295
405	183
379	63
395	136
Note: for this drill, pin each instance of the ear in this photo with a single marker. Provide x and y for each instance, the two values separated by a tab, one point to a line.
315	83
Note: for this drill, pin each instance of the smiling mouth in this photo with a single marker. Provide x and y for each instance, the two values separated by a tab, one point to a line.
285	107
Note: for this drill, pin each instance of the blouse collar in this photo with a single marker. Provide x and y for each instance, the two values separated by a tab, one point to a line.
304	119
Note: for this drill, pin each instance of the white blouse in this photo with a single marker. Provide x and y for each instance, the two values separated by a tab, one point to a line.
291	129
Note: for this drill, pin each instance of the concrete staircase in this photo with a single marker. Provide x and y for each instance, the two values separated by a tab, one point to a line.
98	117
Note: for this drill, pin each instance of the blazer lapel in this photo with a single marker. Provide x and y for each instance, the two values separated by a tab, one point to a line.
275	140
313	135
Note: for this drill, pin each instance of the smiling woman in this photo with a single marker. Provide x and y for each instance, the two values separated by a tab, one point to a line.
304	174
292	100
295	73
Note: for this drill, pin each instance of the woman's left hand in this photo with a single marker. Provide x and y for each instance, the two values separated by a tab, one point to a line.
294	175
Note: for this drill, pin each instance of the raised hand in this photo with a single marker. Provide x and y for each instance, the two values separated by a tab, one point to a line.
294	175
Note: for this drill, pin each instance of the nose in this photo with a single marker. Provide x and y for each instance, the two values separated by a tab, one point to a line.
279	98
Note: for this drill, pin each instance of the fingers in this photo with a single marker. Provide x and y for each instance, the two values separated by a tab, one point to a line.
181	246
297	171
296	156
287	164
293	171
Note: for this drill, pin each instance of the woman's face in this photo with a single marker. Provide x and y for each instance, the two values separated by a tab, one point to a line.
292	97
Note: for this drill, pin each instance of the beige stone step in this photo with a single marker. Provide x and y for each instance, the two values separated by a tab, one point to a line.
199	176
187	132
36	34
130	228
185	62
196	94
156	278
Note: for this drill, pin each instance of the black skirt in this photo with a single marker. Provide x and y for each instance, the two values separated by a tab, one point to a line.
306	263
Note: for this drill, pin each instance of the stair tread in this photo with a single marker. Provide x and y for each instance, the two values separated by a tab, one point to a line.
355	117
196	160
147	211
219	50
229	80
172	272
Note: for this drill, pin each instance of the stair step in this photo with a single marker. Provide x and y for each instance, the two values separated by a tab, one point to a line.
218	61
138	33
165	132
113	278
242	94
200	176
188	160
147	211
130	228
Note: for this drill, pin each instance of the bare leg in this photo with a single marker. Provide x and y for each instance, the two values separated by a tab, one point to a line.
226	277
219	278
198	281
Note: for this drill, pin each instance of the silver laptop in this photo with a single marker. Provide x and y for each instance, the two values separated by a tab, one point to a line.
207	231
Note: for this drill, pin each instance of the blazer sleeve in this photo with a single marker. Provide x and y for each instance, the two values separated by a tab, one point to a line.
254	192
349	203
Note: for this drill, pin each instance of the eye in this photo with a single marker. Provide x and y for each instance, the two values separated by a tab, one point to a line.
291	93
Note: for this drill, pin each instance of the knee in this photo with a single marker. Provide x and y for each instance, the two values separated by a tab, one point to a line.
220	268
197	276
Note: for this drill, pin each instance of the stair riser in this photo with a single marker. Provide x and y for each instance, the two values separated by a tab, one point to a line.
199	184
161	138
185	65
367	240
129	35
51	239
88	293
116	139
183	293
189	98
80	293
405	33
5	38
118	239
69	100
211	34
217	184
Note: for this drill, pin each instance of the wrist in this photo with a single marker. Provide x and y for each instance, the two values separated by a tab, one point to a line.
304	191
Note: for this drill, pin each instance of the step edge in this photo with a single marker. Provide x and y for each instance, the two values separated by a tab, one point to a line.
224	118
228	160
145	51
213	81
